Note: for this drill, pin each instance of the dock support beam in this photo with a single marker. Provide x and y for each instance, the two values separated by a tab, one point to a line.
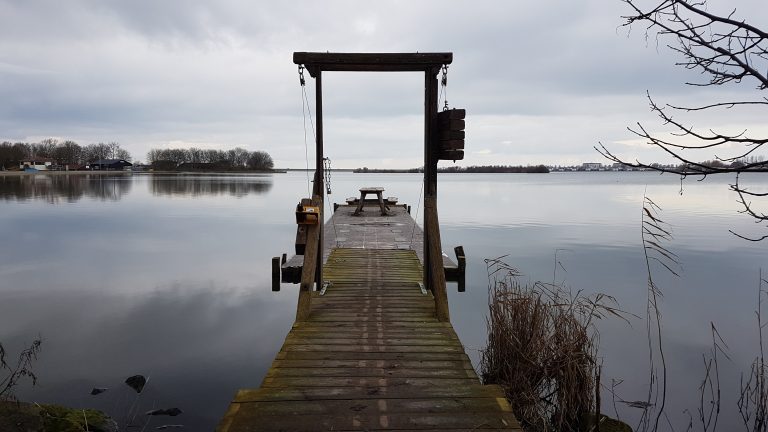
319	187
430	64
308	270
434	275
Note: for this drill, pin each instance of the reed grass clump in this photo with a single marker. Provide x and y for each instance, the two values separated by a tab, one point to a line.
542	349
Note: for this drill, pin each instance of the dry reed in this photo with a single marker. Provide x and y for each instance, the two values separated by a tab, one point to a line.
542	349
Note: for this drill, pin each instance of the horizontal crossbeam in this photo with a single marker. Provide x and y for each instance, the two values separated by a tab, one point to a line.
371	62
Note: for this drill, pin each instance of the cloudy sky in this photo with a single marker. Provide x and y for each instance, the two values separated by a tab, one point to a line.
542	81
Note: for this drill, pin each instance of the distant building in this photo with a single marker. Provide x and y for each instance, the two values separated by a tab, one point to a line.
109	165
38	163
592	166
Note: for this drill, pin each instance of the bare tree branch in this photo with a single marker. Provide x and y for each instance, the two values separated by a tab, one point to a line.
724	49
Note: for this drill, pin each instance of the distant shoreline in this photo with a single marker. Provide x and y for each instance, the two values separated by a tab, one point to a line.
97	172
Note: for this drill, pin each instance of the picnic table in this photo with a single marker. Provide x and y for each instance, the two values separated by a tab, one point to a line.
378	191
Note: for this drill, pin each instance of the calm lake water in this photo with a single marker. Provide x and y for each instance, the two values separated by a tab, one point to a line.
169	276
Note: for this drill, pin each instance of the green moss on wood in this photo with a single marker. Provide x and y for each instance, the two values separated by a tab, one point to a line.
26	417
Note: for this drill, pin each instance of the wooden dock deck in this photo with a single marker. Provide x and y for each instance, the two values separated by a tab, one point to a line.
372	355
398	230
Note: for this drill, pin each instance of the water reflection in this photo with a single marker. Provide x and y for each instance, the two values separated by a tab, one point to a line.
64	187
182	337
196	185
96	281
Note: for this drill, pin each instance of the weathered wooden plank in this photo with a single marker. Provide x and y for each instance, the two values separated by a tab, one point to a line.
373	406
453	155
324	315
409	294
363	355
372	333
358	422
346	304
451	135
371	329
425	300
374	314
298	340
379	364
370	290
451	124
455	144
339	303
365	319
454	113
367	392
402	383
373	372
380	348
392	325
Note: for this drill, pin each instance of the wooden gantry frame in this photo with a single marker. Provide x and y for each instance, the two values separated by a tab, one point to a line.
428	63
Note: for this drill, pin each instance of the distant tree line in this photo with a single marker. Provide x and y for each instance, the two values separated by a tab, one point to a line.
61	152
197	158
469	169
495	169
55	189
746	164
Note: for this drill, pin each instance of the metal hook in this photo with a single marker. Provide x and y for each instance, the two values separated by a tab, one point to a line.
444	78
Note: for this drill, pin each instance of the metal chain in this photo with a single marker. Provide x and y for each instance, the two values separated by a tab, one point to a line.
444	85
327	176
327	170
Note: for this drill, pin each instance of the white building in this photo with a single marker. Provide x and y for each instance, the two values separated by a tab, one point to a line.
592	166
40	164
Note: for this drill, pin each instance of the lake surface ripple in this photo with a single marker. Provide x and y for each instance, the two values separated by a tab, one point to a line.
169	275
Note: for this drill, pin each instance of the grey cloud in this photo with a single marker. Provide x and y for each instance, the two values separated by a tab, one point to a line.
153	73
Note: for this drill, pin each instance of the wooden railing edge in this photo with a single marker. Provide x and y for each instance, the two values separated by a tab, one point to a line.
437	270
309	267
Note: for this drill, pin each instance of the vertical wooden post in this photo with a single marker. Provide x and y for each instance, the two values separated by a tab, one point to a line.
461	271
434	274
428	96
304	305
308	269
276	274
436	264
319	187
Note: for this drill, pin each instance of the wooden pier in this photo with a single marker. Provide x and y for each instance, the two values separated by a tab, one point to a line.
372	347
371	355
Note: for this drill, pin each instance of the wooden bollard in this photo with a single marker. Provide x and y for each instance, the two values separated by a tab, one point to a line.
276	273
461	260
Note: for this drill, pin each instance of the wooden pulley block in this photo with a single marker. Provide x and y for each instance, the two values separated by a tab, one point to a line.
450	134
307	214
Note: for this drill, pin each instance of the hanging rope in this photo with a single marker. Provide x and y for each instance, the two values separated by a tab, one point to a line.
304	111
418	206
443	96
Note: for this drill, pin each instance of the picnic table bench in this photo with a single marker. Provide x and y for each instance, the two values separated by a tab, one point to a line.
378	191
